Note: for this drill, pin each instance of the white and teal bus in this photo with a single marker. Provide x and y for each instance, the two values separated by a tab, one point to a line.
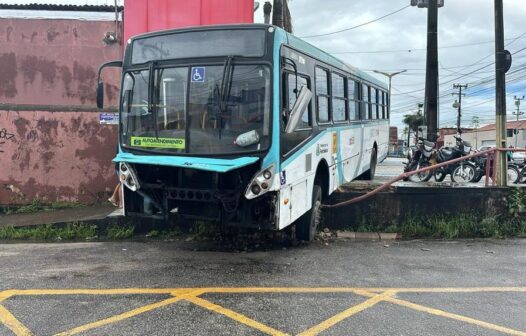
245	125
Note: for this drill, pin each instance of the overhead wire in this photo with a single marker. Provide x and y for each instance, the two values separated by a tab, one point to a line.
358	26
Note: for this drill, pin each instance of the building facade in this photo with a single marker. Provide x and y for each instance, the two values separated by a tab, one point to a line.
54	145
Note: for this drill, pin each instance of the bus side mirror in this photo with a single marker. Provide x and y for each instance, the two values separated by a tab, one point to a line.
304	97
100	95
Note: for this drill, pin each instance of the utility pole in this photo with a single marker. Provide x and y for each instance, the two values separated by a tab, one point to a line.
458	104
475	123
431	92
502	65
517	113
389	75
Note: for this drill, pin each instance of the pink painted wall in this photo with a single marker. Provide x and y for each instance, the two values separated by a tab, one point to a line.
141	16
48	66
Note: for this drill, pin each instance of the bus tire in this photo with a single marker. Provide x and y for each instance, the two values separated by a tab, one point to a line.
307	224
369	175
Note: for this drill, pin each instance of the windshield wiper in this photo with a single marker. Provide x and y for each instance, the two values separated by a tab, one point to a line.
224	91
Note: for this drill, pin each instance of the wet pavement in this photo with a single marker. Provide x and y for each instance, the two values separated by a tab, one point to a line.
182	288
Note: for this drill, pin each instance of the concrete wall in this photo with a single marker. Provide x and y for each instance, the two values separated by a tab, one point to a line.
392	208
52	146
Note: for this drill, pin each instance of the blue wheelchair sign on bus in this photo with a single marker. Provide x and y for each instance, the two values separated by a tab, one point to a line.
198	74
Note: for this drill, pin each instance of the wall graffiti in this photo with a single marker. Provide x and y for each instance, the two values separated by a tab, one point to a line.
4	137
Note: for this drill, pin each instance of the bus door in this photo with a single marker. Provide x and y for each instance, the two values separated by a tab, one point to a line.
363	116
351	137
294	177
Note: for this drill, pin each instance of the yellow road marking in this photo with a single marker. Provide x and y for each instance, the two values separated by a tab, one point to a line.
128	314
235	316
457	317
10	321
375	295
346	313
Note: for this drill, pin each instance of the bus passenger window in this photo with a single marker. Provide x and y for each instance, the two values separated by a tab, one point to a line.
366	108
354	100
292	96
339	98
383	105
290	141
376	103
322	95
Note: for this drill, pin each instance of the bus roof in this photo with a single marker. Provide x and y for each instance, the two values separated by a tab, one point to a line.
315	52
293	41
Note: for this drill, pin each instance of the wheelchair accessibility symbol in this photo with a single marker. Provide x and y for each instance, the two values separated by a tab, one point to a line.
198	74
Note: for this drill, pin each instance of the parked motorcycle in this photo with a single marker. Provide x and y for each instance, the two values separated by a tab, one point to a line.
516	170
419	158
463	171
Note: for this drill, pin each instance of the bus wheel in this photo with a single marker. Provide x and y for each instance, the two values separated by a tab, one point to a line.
369	175
308	223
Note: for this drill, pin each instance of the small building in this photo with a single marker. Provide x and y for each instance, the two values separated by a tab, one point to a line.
486	135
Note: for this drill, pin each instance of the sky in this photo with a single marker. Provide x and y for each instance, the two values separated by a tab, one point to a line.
398	42
466	49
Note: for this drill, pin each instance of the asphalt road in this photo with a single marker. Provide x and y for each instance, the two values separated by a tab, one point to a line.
191	288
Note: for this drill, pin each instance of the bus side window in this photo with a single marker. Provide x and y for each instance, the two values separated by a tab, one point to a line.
354	100
292	96
304	129
365	103
322	95
383	105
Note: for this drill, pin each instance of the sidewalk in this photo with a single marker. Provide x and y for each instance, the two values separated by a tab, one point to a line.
58	216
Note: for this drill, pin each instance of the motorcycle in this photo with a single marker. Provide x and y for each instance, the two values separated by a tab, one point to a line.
516	170
419	158
463	171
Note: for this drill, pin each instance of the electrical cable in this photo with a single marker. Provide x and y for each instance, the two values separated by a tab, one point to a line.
360	25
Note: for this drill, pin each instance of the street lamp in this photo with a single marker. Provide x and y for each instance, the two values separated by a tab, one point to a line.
389	75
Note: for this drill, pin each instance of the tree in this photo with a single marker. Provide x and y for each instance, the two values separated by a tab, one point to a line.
413	121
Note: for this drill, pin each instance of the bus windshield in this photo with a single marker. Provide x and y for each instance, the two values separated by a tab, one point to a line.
197	110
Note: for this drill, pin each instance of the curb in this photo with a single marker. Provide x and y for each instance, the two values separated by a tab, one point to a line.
351	235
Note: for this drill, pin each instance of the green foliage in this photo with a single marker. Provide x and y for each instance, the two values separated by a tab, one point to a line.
204	229
71	231
413	121
120	231
515	201
37	206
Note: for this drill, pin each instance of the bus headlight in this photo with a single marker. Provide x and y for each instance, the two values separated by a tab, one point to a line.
128	177
261	183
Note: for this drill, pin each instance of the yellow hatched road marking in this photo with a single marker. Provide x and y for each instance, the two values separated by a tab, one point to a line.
375	296
347	313
134	312
235	316
457	317
12	323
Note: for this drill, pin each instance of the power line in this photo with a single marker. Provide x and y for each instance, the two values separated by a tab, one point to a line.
423	49
360	25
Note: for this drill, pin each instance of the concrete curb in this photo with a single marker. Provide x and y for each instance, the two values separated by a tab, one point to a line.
351	235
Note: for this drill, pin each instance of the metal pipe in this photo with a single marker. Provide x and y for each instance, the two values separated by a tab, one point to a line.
404	175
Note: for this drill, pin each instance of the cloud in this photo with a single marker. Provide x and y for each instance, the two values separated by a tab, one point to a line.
466	22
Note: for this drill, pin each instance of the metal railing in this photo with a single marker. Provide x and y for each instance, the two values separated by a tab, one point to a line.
490	156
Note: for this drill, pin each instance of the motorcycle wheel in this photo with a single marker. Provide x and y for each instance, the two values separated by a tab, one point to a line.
440	175
463	173
477	177
421	177
513	174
